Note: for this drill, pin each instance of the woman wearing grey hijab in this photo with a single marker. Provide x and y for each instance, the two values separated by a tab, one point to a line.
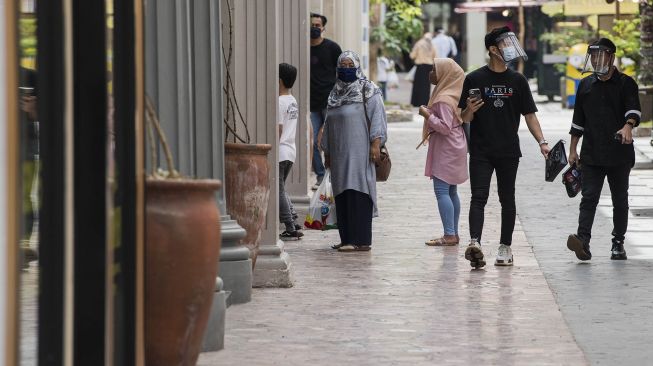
351	149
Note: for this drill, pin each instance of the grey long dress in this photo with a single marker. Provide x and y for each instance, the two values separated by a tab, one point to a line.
347	142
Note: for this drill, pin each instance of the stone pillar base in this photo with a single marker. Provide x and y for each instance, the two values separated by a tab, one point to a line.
235	266
237	277
214	334
273	267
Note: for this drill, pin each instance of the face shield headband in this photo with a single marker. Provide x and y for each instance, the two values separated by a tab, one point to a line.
510	48
598	60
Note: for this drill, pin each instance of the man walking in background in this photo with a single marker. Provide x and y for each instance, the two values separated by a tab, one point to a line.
443	44
324	60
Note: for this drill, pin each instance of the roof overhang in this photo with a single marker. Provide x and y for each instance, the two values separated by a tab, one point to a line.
494	5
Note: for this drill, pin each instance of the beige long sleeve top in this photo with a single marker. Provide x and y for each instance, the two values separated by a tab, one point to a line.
423	52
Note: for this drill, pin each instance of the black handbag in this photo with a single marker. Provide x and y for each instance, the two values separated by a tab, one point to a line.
572	178
556	161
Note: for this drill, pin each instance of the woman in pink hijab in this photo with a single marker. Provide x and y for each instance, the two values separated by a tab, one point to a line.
446	162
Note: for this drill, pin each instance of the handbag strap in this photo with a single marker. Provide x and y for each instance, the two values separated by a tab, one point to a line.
367	118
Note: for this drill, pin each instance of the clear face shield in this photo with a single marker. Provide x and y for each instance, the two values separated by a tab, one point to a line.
510	48
598	60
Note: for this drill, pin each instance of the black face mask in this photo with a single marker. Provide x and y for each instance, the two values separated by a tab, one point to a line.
316	32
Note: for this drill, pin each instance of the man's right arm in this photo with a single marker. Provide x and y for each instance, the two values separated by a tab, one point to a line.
577	126
573	149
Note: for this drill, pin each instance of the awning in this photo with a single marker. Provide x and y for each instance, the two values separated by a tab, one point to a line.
494	5
593	7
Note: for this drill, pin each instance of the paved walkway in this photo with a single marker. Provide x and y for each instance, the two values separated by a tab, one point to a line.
607	304
403	303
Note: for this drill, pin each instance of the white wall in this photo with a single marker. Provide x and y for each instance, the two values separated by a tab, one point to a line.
475	39
348	24
3	189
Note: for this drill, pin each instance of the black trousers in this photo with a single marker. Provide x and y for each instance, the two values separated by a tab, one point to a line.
480	177
592	184
354	211
421	91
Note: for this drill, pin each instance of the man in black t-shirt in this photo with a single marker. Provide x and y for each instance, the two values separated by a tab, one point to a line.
501	95
324	60
607	109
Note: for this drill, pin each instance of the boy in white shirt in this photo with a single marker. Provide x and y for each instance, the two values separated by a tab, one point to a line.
288	114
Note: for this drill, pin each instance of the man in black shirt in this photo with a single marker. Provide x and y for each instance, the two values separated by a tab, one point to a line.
501	95
324	60
606	110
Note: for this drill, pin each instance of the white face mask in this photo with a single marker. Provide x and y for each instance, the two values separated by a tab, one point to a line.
509	53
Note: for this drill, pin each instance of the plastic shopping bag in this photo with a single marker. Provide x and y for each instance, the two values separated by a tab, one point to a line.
322	208
393	79
411	74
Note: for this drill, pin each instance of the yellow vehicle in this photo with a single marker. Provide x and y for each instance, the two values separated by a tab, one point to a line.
575	60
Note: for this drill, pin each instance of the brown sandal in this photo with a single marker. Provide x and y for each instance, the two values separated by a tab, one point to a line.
441	242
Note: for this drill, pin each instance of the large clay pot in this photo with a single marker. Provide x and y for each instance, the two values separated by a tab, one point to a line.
247	188
182	251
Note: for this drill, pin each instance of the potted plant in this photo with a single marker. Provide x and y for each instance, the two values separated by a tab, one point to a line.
182	247
247	182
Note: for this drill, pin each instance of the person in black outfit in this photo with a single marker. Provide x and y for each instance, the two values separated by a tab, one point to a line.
607	109
494	141
324	60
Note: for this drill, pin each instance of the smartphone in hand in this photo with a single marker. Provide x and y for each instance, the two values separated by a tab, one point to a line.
475	94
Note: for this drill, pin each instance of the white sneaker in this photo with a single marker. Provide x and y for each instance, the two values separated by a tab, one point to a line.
474	254
504	256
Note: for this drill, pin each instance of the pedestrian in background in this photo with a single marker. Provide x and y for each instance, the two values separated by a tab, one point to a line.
422	54
500	95
444	45
324	60
383	67
351	149
606	111
288	114
446	161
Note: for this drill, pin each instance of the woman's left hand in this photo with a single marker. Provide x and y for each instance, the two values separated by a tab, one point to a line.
375	151
424	112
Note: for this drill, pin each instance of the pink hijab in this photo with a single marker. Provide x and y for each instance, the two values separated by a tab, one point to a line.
448	90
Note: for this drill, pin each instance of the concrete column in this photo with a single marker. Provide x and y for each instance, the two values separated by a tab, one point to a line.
235	264
294	48
475	30
184	80
256	79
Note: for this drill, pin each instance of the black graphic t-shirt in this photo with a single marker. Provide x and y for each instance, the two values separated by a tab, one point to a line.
494	129
324	60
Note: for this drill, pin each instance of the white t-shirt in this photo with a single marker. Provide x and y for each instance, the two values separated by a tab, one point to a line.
288	114
382	67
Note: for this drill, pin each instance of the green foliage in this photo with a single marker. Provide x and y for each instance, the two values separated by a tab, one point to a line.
402	23
564	39
27	34
626	36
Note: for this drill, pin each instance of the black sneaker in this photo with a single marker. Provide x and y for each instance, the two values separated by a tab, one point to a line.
581	248
618	251
291	235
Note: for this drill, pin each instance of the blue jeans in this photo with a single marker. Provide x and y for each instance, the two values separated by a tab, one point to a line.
448	205
317	121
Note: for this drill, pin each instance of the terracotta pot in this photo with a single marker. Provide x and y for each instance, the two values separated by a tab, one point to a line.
182	251
247	188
